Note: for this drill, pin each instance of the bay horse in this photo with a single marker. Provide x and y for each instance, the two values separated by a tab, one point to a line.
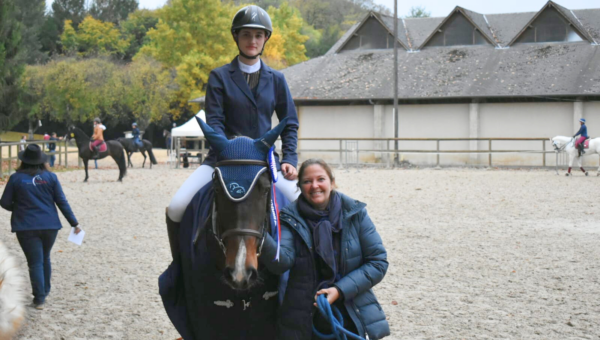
113	149
216	287
567	144
130	147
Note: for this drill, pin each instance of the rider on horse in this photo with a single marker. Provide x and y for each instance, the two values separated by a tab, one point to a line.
584	135
97	137
136	135
240	100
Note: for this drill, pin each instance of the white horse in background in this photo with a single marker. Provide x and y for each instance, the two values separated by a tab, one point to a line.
567	144
13	294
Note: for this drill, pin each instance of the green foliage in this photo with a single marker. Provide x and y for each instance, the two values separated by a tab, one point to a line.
73	10
12	63
113	11
288	23
135	28
418	12
31	14
94	38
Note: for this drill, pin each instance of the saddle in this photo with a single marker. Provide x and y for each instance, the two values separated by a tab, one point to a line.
101	148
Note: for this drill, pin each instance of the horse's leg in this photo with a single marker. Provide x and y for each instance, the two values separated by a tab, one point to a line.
144	154
85	164
571	157
129	159
580	165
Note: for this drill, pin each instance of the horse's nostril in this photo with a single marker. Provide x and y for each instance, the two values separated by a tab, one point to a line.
252	274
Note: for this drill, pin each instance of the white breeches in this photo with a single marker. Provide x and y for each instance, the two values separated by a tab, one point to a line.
201	176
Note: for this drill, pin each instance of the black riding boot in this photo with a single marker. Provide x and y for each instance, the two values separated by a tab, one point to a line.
173	232
96	153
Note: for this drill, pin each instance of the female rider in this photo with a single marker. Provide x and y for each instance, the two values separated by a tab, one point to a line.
240	99
584	135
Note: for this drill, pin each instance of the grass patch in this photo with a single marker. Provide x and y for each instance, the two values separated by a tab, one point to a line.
11	136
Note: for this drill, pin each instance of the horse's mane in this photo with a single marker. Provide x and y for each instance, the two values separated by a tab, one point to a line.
80	131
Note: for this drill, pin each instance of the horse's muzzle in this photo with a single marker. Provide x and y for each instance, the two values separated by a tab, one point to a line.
241	282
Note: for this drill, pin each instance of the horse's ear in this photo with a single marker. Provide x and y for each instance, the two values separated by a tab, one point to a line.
265	142
217	141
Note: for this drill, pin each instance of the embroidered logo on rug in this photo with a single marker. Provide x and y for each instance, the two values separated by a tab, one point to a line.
236	189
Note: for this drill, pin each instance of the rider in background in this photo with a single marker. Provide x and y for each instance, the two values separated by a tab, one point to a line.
584	135
97	137
240	100
136	135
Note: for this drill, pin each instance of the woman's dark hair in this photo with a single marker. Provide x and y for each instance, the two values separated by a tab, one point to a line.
32	169
322	164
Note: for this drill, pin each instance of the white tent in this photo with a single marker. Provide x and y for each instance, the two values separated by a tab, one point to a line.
190	129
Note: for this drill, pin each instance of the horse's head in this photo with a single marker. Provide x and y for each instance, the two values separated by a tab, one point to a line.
560	142
243	185
71	133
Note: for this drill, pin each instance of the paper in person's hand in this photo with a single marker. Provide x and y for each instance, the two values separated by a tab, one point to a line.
76	238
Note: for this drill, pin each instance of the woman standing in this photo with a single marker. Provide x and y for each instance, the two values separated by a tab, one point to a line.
240	100
32	194
331	247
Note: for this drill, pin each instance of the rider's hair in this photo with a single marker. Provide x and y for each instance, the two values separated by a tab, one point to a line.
322	164
97	120
32	169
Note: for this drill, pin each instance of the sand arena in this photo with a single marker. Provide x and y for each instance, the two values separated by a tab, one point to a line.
473	254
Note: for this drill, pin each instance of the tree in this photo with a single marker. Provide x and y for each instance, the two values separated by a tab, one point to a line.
135	29
94	38
288	23
193	37
73	10
113	11
418	12
31	14
12	62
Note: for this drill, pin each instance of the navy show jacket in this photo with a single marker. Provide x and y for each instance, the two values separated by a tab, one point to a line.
33	201
233	110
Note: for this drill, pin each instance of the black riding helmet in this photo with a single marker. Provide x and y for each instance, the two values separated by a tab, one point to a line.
251	17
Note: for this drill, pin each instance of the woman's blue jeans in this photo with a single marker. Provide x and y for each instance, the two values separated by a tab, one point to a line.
36	245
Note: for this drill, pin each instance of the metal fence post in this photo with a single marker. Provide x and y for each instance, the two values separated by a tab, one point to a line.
544	149
9	159
59	154
341	166
490	153
66	154
438	152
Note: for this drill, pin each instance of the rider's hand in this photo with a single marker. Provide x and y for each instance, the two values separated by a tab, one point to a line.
332	295
288	171
77	230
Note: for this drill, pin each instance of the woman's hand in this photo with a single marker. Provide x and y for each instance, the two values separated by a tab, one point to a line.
77	230
288	171
332	295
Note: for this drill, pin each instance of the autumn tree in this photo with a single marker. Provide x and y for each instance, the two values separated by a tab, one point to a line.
418	12
135	30
288	23
31	15
94	38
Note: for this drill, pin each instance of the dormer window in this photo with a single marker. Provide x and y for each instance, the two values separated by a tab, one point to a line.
457	31
550	26
372	35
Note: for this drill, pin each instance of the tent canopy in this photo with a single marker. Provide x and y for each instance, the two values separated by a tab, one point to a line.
190	128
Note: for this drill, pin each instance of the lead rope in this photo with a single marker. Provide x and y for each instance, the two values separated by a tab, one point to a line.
336	321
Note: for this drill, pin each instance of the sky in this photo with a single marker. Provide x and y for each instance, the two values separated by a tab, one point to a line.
441	8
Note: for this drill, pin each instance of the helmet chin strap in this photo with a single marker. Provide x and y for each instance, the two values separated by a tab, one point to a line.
244	54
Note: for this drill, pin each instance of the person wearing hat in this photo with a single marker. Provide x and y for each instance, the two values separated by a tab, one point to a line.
241	98
584	135
136	135
32	194
97	137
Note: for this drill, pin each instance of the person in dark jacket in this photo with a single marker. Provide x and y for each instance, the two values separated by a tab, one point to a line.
52	149
331	247
32	194
584	135
135	132
241	98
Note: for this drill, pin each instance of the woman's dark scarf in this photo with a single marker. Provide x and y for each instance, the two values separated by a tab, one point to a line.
323	224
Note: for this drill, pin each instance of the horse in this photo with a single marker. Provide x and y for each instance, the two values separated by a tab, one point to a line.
13	296
216	288
113	149
567	144
130	147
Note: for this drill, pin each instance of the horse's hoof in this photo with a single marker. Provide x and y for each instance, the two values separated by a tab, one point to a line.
567	174
586	173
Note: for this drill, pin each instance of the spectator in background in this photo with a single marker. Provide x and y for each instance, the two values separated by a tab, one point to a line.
23	141
52	149
32	194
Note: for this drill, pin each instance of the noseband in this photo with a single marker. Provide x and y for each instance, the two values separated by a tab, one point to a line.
260	235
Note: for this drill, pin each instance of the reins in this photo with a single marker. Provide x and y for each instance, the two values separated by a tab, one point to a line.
335	319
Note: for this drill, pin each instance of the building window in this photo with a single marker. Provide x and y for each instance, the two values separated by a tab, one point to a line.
457	31
372	35
550	26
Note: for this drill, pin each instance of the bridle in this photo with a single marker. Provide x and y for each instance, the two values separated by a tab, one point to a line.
562	148
260	235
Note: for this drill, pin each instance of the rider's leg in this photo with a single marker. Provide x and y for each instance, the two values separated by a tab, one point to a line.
287	187
186	192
